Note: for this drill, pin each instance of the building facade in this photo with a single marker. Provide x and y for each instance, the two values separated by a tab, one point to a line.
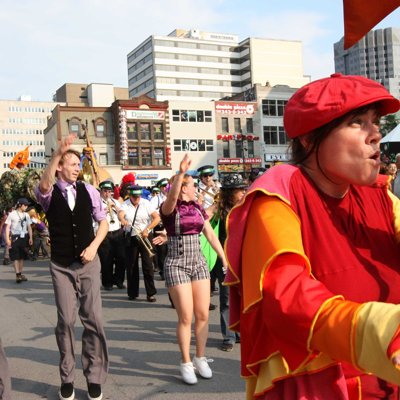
375	56
22	124
207	66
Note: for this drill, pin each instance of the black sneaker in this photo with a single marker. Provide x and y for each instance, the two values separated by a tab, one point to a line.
66	391
94	391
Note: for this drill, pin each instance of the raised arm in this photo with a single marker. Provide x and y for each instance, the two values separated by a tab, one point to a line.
169	204
47	180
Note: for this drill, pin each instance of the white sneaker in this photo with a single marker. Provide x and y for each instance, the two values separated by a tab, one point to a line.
187	372
202	367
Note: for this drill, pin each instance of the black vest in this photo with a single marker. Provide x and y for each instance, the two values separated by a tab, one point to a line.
70	231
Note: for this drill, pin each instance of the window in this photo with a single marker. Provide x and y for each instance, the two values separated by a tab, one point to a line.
273	107
237	125
103	159
159	158
249	125
146	156
193	145
250	148
75	127
208	117
239	148
274	135
133	158
145	131
158	131
225	149
191	116
100	127
175	115
132	130
200	116
224	124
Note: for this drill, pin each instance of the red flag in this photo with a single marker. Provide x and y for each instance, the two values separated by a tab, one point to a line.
360	16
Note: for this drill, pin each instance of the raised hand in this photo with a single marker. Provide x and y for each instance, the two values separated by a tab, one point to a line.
185	164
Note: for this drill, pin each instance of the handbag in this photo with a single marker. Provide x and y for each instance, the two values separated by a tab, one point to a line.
127	234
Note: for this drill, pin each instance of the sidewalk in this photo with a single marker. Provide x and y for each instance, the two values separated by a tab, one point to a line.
144	355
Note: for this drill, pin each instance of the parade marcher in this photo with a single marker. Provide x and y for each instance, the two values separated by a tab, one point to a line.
112	248
70	208
396	181
314	256
139	218
186	271
256	173
5	381
19	237
156	201
207	187
233	188
40	235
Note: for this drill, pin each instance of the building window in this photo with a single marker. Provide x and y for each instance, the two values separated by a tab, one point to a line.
133	158
191	116
159	158
193	145
158	131
237	126
100	127
225	149
208	116
239	148
274	135
273	107
145	131
132	130
249	125
146	156
250	148
75	127
103	159
224	125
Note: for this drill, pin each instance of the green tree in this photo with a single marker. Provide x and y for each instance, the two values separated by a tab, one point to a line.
388	123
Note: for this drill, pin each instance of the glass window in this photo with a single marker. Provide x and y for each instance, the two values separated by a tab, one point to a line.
192	116
225	149
237	126
209	145
175	115
249	125
208	117
177	145
224	124
283	139
103	159
239	148
75	127
281	106
100	127
270	134
202	145
200	116
145	131
269	107
133	158
250	148
159	158
184	116
146	156
158	131
132	130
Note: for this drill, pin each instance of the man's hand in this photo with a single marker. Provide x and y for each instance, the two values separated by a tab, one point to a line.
88	254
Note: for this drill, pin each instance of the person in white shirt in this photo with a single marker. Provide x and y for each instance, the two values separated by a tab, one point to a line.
19	236
112	248
138	218
207	187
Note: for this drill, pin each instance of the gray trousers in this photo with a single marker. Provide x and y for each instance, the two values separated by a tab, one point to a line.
5	381
77	288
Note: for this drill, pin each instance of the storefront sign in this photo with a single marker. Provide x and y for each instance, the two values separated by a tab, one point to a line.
230	161
144	114
224	107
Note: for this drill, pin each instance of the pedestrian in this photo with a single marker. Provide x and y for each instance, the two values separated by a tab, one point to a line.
233	188
19	237
139	218
186	271
70	208
314	254
112	248
40	235
5	381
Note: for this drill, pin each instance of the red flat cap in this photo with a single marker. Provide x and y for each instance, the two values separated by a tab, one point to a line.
324	100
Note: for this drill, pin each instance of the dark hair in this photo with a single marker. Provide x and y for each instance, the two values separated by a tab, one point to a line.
300	153
225	202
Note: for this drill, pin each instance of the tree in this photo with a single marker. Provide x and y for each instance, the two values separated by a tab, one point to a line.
388	123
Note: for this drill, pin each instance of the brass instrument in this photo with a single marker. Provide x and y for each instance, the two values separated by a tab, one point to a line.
110	211
146	243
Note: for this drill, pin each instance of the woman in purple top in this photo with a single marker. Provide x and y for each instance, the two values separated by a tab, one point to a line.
186	271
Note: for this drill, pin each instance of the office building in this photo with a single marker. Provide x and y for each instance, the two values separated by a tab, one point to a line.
375	56
198	65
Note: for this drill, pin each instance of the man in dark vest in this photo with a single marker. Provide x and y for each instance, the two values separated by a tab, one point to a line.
70	207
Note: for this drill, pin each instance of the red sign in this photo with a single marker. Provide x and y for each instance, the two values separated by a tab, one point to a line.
230	107
225	161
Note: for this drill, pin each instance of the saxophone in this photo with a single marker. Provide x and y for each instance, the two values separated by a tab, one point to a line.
110	211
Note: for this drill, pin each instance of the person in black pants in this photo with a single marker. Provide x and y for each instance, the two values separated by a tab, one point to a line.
112	249
139	218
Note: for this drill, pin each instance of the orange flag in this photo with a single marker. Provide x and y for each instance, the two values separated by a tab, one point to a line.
21	159
360	16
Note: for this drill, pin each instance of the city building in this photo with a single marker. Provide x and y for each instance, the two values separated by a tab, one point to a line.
375	56
22	124
205	66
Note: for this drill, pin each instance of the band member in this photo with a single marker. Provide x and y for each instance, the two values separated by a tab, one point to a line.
207	187
139	218
112	249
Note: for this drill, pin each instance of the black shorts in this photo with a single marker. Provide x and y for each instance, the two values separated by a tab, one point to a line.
19	248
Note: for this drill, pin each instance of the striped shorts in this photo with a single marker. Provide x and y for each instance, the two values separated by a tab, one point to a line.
185	261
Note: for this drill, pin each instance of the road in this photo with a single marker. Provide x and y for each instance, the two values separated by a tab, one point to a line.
143	350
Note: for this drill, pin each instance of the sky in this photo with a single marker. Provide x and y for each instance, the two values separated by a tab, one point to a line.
45	44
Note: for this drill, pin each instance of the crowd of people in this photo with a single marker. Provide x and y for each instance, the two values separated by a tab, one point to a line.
306	259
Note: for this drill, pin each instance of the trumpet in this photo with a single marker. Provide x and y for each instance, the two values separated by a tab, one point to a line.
146	243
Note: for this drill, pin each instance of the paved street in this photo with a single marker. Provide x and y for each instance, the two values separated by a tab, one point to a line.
144	355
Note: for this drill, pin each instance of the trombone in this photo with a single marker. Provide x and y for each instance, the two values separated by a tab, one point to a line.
146	243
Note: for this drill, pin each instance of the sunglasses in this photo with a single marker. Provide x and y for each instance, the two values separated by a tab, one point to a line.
206	175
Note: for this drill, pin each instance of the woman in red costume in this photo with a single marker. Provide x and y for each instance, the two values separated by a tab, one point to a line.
314	255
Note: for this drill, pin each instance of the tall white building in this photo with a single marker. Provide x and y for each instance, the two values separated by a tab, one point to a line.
207	66
375	56
22	123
